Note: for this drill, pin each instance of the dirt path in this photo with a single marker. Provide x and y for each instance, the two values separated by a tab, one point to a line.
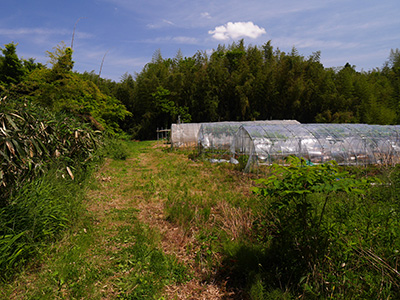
139	183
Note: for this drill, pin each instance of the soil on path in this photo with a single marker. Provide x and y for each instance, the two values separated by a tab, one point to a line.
139	183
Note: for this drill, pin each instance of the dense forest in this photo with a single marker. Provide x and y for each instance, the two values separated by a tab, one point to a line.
235	82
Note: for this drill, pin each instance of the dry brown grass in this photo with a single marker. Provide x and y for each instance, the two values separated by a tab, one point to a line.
236	221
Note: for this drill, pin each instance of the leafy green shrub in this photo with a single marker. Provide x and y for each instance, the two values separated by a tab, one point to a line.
59	89
325	234
242	162
44	158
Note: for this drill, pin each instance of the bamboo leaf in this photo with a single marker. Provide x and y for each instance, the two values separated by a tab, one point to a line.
18	148
10	147
38	150
12	122
15	115
70	173
5	156
4	131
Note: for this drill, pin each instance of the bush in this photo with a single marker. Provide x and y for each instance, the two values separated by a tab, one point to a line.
33	140
327	234
44	159
116	149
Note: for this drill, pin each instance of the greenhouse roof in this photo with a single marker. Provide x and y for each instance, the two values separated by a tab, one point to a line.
345	143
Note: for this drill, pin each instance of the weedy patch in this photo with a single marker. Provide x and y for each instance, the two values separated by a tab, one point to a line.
158	225
315	235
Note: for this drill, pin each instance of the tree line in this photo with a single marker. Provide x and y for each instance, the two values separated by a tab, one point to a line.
235	82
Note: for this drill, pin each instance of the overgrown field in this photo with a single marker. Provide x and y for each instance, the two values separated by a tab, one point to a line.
154	224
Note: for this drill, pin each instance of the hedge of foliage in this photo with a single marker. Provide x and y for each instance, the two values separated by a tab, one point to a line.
44	158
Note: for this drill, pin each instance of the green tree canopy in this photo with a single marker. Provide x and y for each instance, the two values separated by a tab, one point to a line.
60	89
12	70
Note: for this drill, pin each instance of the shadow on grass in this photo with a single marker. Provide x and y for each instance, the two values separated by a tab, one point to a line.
255	272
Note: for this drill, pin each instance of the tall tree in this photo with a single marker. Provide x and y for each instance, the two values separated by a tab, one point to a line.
60	89
393	65
12	70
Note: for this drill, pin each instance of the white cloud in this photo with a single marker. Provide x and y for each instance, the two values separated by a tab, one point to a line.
311	43
42	35
186	40
205	15
160	24
235	30
168	22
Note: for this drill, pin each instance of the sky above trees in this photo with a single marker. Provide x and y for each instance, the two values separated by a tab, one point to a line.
125	34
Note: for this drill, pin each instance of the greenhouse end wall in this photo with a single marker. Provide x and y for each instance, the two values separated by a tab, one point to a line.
185	135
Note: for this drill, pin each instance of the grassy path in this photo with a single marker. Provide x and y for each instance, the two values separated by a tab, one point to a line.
154	222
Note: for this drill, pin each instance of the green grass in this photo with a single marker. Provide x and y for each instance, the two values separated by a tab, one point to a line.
38	213
145	267
350	251
66	252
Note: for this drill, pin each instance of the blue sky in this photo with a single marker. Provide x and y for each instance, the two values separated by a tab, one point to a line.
127	33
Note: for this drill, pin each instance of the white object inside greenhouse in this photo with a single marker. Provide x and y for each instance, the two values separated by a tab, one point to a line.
347	144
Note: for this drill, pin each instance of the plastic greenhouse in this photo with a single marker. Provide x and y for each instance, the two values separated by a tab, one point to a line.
220	135
347	144
184	135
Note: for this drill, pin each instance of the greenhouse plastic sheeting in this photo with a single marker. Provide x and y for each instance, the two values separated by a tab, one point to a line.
184	134
347	144
220	135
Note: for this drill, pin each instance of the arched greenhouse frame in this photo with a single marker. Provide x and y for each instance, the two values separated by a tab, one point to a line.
218	136
347	144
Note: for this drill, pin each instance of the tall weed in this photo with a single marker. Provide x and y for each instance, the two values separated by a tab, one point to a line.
115	148
33	140
37	213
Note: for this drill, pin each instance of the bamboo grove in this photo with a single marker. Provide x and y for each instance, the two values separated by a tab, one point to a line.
233	83
48	115
238	83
